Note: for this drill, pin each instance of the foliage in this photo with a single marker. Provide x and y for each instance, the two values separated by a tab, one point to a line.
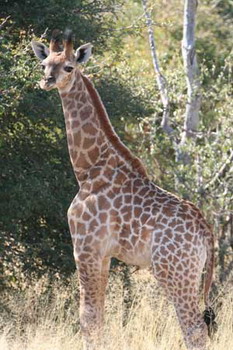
205	177
36	179
37	182
34	163
91	20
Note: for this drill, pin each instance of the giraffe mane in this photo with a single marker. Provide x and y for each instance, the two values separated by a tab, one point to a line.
109	131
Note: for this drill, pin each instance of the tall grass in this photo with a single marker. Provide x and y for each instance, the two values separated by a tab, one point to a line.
45	317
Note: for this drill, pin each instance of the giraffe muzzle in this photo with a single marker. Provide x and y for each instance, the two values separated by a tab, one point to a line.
50	80
48	83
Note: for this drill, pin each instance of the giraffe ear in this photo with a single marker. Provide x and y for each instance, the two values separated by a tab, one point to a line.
83	53
41	51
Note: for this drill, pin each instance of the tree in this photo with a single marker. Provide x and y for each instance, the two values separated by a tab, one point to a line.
36	180
191	70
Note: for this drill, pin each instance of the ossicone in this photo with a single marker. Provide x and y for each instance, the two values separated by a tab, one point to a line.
68	42
55	41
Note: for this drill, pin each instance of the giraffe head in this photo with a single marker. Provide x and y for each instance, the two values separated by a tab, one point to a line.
59	64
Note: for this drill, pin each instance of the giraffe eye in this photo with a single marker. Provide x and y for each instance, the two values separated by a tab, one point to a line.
68	69
43	66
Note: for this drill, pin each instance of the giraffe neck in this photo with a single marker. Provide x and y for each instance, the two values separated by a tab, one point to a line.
91	138
82	127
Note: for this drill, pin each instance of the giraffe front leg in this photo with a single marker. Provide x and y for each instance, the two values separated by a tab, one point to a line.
93	281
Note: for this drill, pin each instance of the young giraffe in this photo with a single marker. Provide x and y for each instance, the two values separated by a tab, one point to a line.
118	212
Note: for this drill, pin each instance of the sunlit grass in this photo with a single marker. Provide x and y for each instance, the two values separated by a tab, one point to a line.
45	317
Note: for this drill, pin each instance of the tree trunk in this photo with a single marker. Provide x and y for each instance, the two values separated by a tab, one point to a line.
191	69
161	81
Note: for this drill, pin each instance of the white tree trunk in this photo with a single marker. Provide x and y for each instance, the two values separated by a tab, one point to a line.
161	81
191	69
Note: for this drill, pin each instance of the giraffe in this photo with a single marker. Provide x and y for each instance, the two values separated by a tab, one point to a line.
118	212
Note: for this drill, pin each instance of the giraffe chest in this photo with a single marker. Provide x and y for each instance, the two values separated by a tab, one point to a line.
110	226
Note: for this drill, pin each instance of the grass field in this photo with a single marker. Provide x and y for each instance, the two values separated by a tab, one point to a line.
45	317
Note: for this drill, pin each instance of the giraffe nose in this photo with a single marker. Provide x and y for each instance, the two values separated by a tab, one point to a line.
50	79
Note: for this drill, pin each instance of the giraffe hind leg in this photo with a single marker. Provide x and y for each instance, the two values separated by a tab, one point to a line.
191	320
183	293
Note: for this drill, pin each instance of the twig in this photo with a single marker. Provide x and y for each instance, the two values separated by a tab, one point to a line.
153	24
44	34
4	22
221	173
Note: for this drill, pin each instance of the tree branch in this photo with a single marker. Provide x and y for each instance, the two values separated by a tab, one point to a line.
161	80
191	69
221	173
4	22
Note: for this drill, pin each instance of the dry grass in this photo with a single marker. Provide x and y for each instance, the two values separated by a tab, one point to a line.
46	318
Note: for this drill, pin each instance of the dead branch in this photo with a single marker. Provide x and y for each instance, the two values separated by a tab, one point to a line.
4	22
161	80
191	69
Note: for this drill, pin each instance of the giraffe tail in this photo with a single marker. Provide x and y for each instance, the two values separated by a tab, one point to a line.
209	315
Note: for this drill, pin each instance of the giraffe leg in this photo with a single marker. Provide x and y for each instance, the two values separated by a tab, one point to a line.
183	293
192	323
104	283
93	282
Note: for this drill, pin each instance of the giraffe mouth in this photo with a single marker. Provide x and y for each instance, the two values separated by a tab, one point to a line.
45	85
